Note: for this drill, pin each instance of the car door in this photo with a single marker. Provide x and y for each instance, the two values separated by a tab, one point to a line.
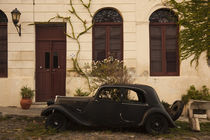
133	106
105	109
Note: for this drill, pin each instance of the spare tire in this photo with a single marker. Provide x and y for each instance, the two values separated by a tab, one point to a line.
176	110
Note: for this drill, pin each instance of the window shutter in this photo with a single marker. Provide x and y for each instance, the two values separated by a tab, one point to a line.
171	48
3	50
155	49
99	43
115	43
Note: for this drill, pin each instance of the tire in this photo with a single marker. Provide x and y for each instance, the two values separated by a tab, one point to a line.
156	124
56	121
176	110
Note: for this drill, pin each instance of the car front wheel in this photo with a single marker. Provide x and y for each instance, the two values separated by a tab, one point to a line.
156	124
56	121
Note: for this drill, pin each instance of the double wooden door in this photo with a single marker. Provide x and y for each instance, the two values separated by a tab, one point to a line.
50	62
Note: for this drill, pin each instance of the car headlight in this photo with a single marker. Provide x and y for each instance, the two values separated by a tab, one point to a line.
56	98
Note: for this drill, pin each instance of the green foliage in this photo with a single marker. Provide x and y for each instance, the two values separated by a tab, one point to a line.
27	92
193	18
79	92
193	93
165	104
108	71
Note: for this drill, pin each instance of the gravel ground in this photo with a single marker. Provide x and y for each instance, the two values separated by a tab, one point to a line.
32	128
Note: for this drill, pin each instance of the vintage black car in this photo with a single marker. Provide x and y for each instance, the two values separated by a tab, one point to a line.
115	106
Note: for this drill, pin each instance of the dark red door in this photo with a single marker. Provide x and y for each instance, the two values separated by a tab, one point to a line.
50	61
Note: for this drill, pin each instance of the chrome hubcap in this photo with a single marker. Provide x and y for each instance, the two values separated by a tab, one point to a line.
56	123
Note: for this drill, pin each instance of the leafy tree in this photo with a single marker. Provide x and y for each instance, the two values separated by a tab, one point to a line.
193	18
107	71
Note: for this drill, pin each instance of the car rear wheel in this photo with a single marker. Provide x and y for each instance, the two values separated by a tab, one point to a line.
56	121
156	124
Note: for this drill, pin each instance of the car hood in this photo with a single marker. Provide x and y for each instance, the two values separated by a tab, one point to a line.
78	103
67	100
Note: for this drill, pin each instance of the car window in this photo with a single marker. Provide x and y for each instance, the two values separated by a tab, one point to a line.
111	94
133	96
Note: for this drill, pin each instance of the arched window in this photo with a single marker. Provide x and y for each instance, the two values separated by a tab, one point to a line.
3	44
107	34
164	52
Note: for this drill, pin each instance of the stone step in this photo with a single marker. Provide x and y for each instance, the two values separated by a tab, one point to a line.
17	111
39	105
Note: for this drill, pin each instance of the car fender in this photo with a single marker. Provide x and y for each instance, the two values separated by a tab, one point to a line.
157	111
58	108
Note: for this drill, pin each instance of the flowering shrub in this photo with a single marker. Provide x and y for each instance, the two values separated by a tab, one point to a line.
108	71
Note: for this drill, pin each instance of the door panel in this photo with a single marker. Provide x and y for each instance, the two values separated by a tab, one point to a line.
105	109
58	68
106	113
133	106
43	77
133	113
50	63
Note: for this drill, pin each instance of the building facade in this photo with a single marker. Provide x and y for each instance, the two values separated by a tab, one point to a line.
141	33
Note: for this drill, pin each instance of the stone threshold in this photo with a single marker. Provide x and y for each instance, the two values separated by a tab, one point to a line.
39	105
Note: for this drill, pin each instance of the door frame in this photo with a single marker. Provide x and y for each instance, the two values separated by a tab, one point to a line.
47	24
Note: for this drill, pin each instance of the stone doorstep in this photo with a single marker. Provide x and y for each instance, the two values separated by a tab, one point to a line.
39	105
34	111
17	111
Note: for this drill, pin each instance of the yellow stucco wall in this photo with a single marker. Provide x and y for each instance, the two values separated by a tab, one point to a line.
135	13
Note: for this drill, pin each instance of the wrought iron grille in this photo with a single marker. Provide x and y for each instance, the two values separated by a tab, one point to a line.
163	16
3	17
107	15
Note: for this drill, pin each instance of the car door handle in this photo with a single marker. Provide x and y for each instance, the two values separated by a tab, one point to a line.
96	101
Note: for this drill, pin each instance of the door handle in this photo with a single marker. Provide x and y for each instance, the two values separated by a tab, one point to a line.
96	100
40	67
59	67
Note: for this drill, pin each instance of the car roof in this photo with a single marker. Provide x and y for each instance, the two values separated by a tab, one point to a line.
146	88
